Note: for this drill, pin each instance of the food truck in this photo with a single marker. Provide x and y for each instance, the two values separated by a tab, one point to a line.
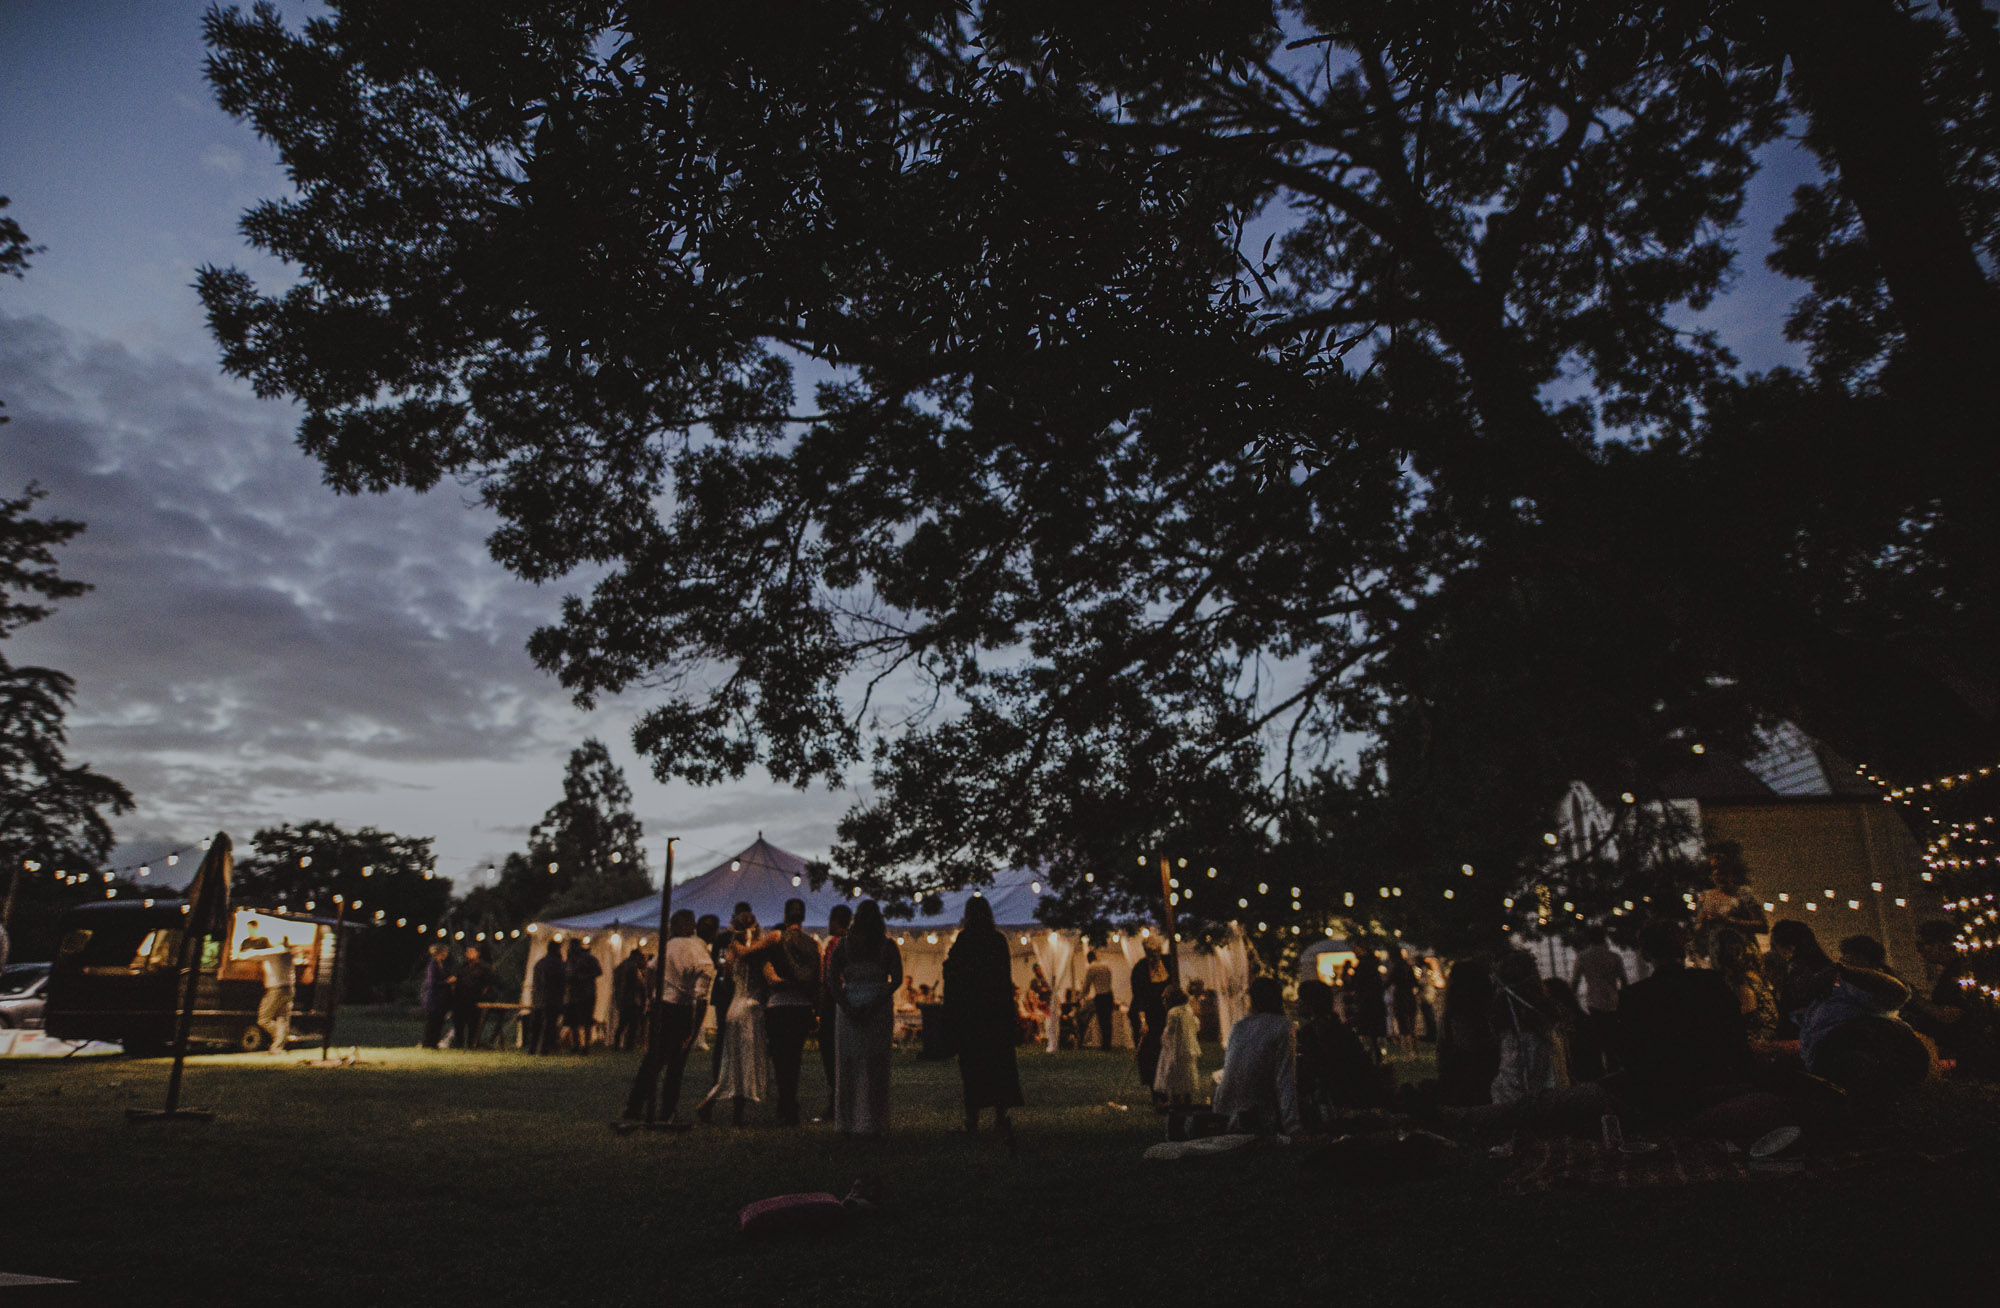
117	976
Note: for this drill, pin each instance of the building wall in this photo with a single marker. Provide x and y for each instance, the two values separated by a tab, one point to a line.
1797	850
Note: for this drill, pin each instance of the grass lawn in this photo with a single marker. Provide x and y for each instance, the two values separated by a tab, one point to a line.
489	1179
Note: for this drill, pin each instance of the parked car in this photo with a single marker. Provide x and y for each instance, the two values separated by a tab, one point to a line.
21	995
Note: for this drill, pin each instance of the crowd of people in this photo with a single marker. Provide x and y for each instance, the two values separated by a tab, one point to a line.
773	990
1712	1030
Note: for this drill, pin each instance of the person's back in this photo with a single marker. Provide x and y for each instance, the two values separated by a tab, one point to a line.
1680	1031
435	995
580	977
1259	1068
795	958
1335	1073
1097	979
1599	977
475	979
549	980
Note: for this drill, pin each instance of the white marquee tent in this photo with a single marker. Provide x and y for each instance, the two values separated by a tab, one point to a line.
765	876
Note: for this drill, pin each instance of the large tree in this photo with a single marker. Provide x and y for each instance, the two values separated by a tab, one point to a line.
52	811
1210	383
387	885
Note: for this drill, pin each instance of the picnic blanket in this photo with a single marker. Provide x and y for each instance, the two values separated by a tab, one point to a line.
1206	1147
1566	1164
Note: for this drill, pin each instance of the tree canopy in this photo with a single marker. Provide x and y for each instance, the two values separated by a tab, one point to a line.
1208	387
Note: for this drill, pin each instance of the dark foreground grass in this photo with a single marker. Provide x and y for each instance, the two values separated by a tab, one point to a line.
492	1179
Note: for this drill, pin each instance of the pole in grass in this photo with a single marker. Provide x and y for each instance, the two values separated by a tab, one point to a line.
207	912
333	980
656	1029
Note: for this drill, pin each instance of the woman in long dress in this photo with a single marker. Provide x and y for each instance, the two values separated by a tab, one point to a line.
979	1016
744	1046
863	975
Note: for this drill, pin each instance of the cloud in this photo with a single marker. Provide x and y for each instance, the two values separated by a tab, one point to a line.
259	650
240	607
222	159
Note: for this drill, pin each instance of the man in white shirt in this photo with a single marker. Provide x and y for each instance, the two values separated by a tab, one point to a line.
274	1011
1598	978
1260	1081
687	970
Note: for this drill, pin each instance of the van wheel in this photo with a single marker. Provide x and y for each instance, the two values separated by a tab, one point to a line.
251	1039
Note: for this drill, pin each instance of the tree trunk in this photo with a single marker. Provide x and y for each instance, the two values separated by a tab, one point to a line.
1858	67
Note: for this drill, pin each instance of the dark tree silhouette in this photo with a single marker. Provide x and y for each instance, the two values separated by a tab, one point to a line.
52	812
1200	402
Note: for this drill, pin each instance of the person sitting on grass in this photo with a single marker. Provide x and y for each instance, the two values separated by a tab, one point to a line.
1468	1054
1849	1023
1524	1022
1180	1050
1796	968
1335	1073
1681	1042
1260	1085
1954	1015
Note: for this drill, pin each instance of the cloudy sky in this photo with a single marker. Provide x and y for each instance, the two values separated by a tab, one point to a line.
258	650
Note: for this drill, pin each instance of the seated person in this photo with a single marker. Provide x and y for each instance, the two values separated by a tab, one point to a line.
1796	969
1857	989
1468	1053
1335	1073
1524	1024
1680	1043
1955	1016
1260	1084
1866	953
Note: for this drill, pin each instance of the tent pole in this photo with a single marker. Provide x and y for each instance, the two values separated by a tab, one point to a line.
656	1029
1167	907
666	917
333	981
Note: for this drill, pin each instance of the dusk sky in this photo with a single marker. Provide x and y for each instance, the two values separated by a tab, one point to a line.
257	649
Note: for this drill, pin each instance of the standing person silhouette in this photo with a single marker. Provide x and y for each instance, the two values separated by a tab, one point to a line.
435	997
745	1047
580	975
979	1016
867	968
545	1001
1097	989
1149	1011
468	992
836	924
686	974
791	971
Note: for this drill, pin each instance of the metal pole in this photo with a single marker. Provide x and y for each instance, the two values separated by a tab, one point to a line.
656	1021
1167	905
666	916
333	981
191	943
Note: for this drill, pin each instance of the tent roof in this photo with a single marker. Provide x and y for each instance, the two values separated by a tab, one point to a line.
765	876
